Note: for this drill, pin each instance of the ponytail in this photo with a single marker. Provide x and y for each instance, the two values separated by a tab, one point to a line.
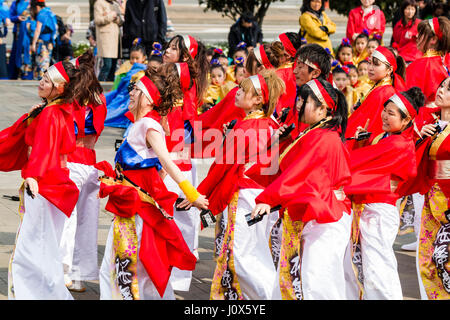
83	86
340	115
276	88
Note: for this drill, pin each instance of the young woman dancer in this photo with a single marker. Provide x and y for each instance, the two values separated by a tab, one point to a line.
431	69
377	170
186	50
144	242
433	181
42	141
79	239
315	212
244	269
385	70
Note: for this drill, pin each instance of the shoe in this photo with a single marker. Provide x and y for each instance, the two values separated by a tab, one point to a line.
67	280
410	246
77	286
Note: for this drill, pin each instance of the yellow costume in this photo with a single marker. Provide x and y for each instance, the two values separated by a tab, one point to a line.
215	93
310	24
357	58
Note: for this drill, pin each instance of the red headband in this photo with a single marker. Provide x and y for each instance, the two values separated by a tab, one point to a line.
191	44
403	104
434	24
261	87
322	94
287	44
261	56
57	73
386	56
149	89
185	76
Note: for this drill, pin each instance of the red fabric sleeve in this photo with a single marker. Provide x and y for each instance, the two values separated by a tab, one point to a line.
49	135
13	149
374	166
310	171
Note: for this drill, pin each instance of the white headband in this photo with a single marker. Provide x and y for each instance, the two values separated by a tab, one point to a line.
187	42
399	103
309	64
258	55
313	85
256	84
381	57
55	76
141	86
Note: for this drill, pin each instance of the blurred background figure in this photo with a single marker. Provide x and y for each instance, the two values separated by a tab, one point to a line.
247	30
107	20
146	20
4	22
315	25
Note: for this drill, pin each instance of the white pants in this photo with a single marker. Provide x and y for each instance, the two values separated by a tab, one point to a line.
322	271
189	224
79	239
418	200
147	290
379	225
252	258
418	206
36	265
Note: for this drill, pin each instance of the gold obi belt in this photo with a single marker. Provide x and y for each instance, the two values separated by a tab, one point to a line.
144	196
439	169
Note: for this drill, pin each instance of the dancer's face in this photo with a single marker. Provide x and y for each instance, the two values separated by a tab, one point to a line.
378	70
392	119
245	99
302	73
139	104
313	113
47	89
443	94
172	53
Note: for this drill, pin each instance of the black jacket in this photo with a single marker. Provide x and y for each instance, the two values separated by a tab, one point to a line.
251	36
145	19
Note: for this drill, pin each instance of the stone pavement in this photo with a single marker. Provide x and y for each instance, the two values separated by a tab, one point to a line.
16	98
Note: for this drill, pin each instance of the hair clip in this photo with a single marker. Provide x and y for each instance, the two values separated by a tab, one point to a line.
334	64
376	36
239	60
218	51
303	41
157	46
241	45
348	63
156	52
346	69
346	42
137	41
328	50
215	62
366	32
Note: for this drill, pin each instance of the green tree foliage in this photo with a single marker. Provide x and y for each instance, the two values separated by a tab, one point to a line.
389	7
234	8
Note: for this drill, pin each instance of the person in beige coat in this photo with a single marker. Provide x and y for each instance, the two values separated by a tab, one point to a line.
108	19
